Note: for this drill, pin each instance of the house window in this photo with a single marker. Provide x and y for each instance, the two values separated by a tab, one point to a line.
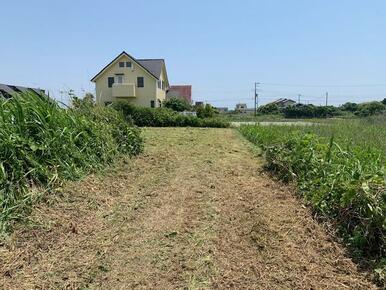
121	64
152	104
140	82
159	84
110	81
119	79
163	85
128	63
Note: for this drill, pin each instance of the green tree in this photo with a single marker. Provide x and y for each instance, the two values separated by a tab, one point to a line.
350	107
177	104
370	109
79	103
206	111
269	109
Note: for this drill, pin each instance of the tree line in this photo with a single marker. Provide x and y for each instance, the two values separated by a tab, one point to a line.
312	111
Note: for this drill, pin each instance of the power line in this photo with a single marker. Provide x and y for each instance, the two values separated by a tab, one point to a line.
324	85
237	99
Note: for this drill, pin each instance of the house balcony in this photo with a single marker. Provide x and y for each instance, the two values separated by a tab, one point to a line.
125	90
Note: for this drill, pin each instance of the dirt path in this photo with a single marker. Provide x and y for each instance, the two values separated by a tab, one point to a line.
194	211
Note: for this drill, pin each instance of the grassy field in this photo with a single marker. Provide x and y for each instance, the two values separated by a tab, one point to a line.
339	168
366	133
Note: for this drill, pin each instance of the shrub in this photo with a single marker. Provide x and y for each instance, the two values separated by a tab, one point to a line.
42	144
177	104
269	109
310	111
164	117
206	111
370	109
349	107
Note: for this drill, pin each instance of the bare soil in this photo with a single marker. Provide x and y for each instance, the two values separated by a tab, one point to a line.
195	211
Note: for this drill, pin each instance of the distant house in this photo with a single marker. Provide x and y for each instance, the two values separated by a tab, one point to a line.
6	91
241	108
199	103
283	103
142	82
222	109
188	113
180	91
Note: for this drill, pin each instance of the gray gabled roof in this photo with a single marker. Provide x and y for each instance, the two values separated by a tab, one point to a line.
152	65
8	90
283	100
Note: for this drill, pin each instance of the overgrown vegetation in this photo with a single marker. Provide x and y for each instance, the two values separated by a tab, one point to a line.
177	104
340	171
164	117
42	144
310	111
207	111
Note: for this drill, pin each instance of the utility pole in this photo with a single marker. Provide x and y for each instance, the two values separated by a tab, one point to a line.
326	99
256	98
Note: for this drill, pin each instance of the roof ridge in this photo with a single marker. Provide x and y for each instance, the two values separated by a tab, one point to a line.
150	59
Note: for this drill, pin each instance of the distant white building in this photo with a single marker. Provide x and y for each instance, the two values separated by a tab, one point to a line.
188	113
222	109
241	108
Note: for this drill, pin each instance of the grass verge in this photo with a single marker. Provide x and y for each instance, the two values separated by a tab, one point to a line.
339	170
42	144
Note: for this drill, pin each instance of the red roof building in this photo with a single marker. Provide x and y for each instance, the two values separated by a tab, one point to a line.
180	91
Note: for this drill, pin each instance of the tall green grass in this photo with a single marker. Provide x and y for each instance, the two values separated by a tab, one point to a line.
339	169
42	144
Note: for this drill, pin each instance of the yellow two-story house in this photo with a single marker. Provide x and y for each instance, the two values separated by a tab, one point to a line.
142	82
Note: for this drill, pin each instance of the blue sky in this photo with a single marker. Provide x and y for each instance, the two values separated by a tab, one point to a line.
220	47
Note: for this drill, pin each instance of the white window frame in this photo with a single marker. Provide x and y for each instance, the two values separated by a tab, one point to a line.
119	77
